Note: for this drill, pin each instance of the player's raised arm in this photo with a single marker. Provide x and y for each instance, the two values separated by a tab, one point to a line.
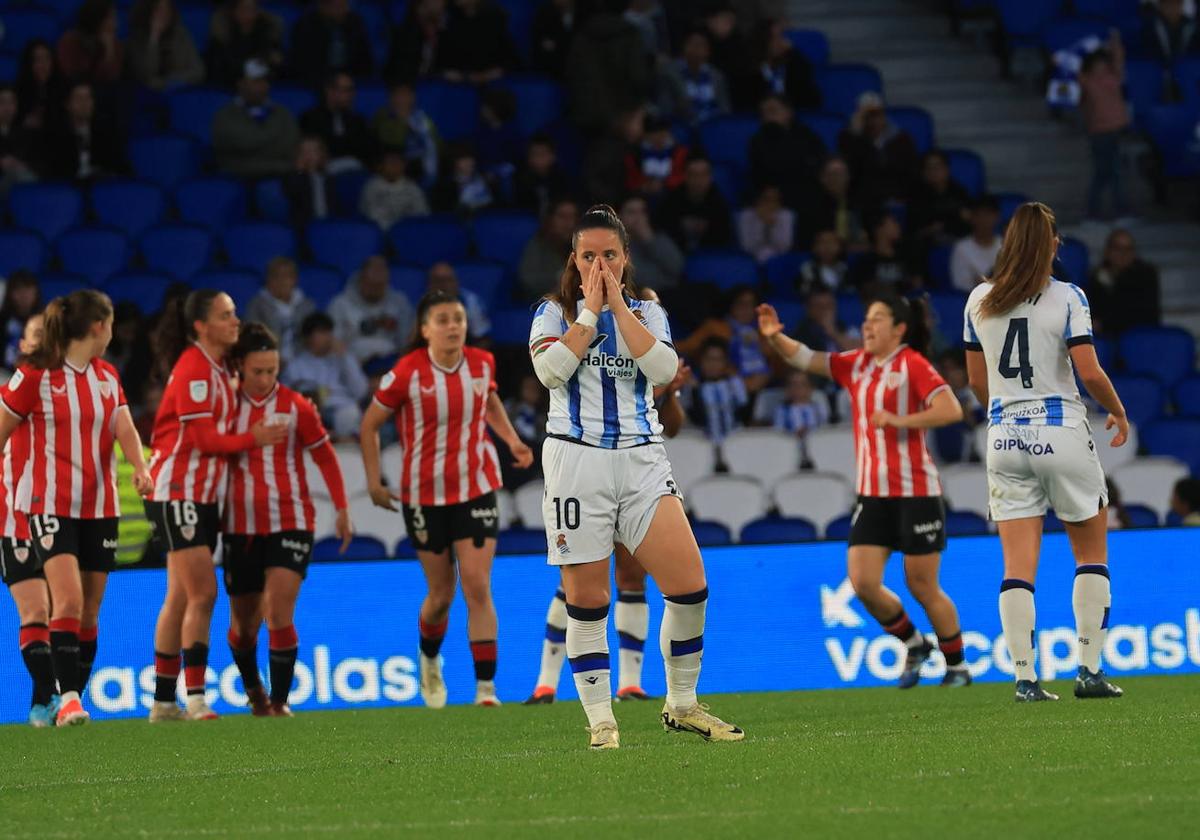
795	353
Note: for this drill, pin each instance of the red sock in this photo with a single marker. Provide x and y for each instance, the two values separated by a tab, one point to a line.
431	636
484	654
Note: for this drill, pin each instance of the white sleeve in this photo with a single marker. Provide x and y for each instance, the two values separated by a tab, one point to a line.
655	319
553	361
1079	318
970	335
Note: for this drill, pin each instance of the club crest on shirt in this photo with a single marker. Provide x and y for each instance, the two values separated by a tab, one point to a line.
106	389
893	379
561	545
21	553
198	390
637	313
188	532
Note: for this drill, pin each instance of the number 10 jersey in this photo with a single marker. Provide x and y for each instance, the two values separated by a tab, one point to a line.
1031	381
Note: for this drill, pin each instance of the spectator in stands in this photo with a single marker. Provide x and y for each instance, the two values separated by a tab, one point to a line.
885	266
443	278
657	165
784	152
803	408
252	136
477	47
821	329
83	145
17	144
1106	119
345	132
40	86
604	162
1117	517
418	44
129	351
737	329
729	48
462	187
1185	501
938	212
719	401
692	90
161	51
695	214
974	256
402	125
529	410
241	30
553	25
389	196
881	155
545	255
371	318
956	443
498	138
91	52
779	68
827	268
309	187
656	258
766	229
1168	32
609	71
648	17
22	298
330	37
539	179
1125	290
329	376
282	305
831	207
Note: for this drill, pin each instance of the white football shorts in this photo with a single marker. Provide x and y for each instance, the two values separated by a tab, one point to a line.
1032	469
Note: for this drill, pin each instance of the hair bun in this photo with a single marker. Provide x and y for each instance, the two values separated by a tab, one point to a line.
601	210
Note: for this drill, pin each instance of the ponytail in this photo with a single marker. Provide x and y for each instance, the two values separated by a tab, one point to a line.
427	302
66	319
913	313
176	328
570	286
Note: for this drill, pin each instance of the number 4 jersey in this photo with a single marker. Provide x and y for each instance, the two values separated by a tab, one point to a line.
1031	381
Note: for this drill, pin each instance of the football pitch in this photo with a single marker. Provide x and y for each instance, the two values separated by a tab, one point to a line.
864	763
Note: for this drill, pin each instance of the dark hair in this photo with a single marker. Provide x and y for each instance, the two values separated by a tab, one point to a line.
429	300
66	319
314	322
911	313
1188	491
570	285
92	14
177	326
142	14
541	138
253	337
19	279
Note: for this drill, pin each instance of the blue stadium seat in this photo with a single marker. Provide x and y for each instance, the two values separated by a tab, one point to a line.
520	24
48	209
773	529
96	253
131	206
938	265
405	550
812	44
321	284
1065	32
501	236
782	269
1024	21
369	98
1145	83
343	243
727	139
511	326
1143	397
949	308
289	13
826	126
967	168
192	110
711	534
1178	438
296	98
838	529
270	202
1187	397
349	187
850	310
730	181
360	548
1172	130
59	284
539	101
196	19
1009	202
166	160
790	311
1187	78
723	267
239	285
484	278
1073	258
426	240
251	245
1165	353
522	541
24	25
1141	516
842	84
378	30
1106	351
453	108
1106	10
21	250
917	122
409	280
146	290
181	251
214	203
9	64
964	523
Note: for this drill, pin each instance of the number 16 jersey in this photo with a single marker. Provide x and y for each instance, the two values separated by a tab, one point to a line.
1031	381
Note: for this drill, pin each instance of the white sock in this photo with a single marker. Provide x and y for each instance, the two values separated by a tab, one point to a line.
554	646
1017	619
681	639
587	648
1091	599
632	616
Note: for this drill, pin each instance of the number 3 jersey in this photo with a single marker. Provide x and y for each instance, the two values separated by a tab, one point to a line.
1031	381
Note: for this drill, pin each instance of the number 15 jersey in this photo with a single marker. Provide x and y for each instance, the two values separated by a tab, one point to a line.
1031	381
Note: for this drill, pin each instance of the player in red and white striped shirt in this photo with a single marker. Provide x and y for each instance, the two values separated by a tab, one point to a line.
191	444
269	517
73	406
443	394
895	395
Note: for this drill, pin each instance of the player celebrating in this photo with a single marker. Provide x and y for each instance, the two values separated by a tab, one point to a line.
600	352
269	517
21	570
190	443
1027	336
895	395
74	407
443	394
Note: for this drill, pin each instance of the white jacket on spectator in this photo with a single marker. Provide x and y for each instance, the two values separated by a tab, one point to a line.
281	318
371	328
336	383
970	262
386	202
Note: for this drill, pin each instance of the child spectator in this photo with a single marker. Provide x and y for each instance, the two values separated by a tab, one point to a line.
974	256
694	90
827	268
766	229
719	400
803	408
539	179
329	376
388	196
462	188
161	51
1106	118
1185	501
658	163
401	124
281	305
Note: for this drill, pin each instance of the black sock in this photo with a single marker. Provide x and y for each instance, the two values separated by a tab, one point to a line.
87	654
952	649
284	645
64	650
166	677
484	654
245	656
195	663
35	650
431	636
903	629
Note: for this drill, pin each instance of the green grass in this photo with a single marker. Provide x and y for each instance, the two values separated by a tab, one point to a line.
872	763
